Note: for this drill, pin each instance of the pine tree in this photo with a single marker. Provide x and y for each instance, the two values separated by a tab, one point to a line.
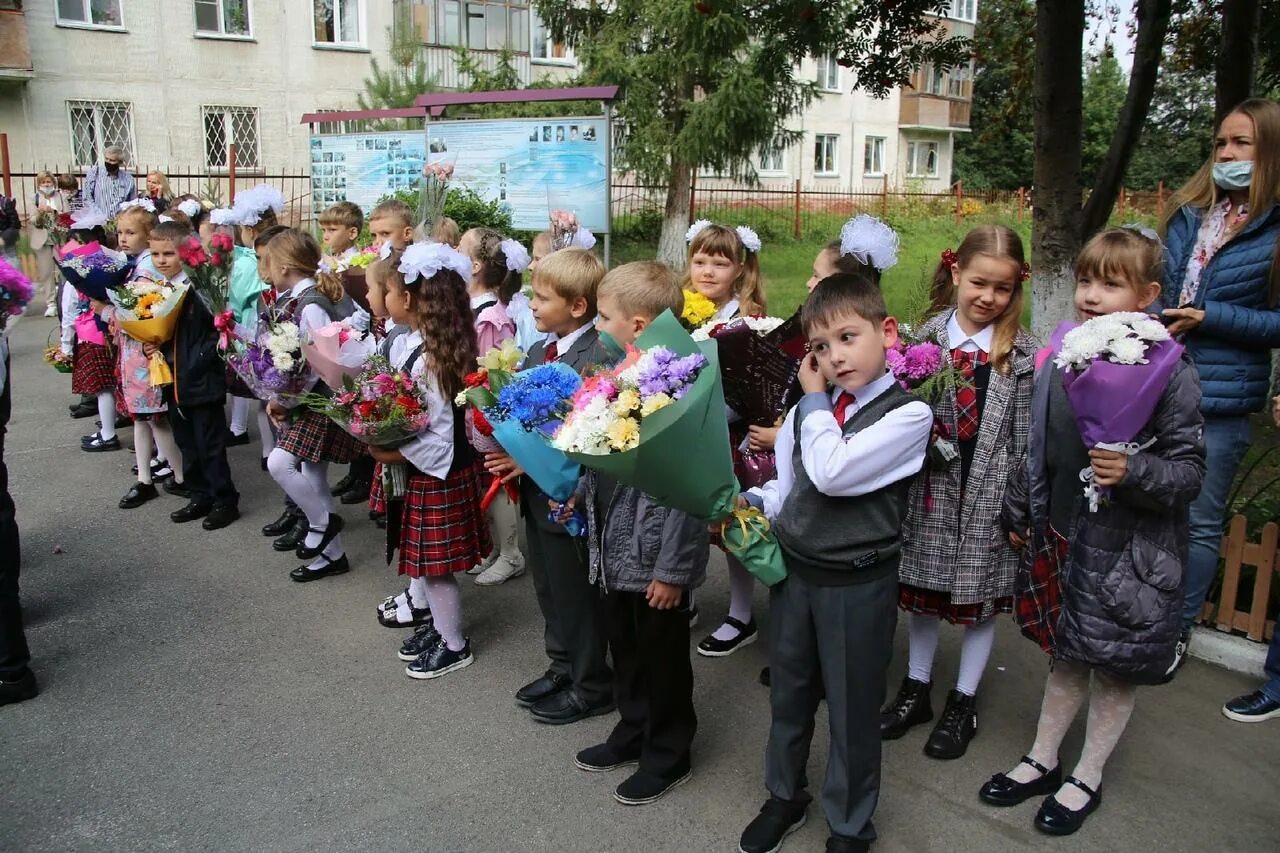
399	86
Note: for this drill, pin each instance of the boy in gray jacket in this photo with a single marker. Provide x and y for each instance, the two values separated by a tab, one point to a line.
646	559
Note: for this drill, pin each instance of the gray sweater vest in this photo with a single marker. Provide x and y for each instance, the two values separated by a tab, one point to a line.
835	541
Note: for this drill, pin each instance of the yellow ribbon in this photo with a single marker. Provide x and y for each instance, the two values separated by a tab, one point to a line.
750	521
159	369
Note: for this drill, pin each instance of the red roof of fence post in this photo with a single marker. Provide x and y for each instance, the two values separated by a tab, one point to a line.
517	96
370	115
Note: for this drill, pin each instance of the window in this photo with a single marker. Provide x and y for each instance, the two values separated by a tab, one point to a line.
90	13
478	25
873	155
542	48
828	73
824	153
226	125
956	83
922	159
222	17
964	10
771	159
339	22
935	80
96	125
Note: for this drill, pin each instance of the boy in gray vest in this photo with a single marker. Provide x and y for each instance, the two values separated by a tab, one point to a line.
846	455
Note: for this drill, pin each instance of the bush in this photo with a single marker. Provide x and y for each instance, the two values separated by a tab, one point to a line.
465	207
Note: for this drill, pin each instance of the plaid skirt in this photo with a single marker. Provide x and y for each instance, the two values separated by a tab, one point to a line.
936	602
442	530
314	438
1037	591
377	499
93	369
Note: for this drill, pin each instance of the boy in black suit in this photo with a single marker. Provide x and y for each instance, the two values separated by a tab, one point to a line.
578	684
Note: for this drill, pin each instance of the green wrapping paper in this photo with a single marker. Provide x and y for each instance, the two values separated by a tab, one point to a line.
683	459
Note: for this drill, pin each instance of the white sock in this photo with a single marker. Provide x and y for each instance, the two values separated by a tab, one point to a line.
741	589
265	433
168	446
922	645
975	651
107	415
446	609
142	450
239	415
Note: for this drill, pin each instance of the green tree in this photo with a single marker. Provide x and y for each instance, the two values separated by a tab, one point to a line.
503	76
1104	92
1179	133
399	86
708	83
999	153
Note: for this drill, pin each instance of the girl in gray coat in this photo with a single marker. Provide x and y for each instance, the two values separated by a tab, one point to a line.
1119	569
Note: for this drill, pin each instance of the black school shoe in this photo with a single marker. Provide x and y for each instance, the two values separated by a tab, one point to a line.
138	495
909	708
1056	819
97	444
281	525
292	537
220	516
233	440
178	490
342	485
19	689
440	660
604	757
84	409
540	688
302	574
777	820
419	642
956	727
190	512
565	707
844	844
357	494
641	788
1000	790
710	647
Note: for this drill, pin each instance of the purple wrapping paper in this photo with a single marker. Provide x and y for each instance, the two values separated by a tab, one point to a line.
1113	402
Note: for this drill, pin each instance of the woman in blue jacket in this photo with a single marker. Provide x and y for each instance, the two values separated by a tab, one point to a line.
1221	289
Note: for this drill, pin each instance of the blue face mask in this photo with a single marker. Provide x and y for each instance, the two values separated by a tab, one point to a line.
1235	175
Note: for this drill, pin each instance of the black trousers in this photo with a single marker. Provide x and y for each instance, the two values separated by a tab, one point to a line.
839	638
652	682
570	604
14	655
362	468
201	432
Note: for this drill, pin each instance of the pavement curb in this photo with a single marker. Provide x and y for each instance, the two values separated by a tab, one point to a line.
1237	654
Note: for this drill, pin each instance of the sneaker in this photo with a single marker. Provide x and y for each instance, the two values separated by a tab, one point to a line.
51	310
641	788
603	758
440	660
501	571
710	647
1251	708
480	567
98	444
419	642
1179	656
777	820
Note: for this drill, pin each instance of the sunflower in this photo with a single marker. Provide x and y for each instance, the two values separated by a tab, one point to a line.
145	301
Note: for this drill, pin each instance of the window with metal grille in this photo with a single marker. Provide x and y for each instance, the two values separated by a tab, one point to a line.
490	25
771	158
96	125
90	13
225	125
222	17
339	22
824	153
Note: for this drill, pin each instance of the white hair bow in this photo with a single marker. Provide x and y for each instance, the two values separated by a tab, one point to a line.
223	216
695	229
427	259
145	203
750	239
190	207
870	241
516	254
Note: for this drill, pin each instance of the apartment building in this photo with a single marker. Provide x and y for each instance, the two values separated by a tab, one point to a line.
174	81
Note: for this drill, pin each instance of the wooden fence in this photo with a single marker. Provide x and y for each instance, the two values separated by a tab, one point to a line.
1247	564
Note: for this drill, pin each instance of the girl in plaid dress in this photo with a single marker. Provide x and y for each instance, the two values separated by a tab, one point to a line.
956	566
437	525
308	440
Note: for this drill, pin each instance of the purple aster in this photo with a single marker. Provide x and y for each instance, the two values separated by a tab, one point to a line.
922	360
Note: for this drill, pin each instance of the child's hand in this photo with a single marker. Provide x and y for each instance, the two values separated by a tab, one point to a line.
811	378
1108	467
502	465
149	350
277	413
384	455
663	596
1019	541
564	511
760	438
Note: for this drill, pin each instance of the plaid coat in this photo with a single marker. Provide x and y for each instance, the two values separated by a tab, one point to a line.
959	546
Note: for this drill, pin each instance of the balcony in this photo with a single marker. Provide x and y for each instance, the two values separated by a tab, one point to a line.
15	54
934	112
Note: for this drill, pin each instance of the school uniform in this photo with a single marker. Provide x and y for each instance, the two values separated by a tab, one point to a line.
93	366
573	635
377	498
845	464
438	526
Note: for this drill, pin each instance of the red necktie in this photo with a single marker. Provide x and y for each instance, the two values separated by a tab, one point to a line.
967	418
551	353
843	402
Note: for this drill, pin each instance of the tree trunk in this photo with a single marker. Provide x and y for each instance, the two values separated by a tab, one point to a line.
1237	60
675	217
1153	24
1058	96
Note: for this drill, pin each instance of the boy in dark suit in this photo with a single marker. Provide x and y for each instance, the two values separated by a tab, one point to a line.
578	684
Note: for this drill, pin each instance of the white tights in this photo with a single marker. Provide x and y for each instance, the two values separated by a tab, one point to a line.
741	588
308	484
107	415
975	650
239	414
159	429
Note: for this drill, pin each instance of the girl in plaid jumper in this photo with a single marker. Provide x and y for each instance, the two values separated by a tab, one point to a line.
955	564
437	524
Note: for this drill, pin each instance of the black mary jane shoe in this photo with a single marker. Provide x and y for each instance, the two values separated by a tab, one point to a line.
710	647
1056	819
292	538
281	525
421	616
1000	790
138	495
333	526
339	566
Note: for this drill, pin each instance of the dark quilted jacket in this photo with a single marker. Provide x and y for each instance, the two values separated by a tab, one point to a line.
1232	348
1122	583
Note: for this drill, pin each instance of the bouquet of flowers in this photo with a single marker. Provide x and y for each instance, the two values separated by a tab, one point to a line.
1114	369
56	358
566	232
60	228
360	260
92	269
639	422
210	274
432	192
698	310
15	292
147	311
482	388
335	352
925	369
272	364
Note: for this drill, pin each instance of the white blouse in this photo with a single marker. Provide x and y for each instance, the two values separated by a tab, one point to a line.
432	451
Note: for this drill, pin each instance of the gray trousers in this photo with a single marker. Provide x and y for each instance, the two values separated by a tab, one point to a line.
839	638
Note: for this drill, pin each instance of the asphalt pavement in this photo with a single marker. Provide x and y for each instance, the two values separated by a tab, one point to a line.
194	699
